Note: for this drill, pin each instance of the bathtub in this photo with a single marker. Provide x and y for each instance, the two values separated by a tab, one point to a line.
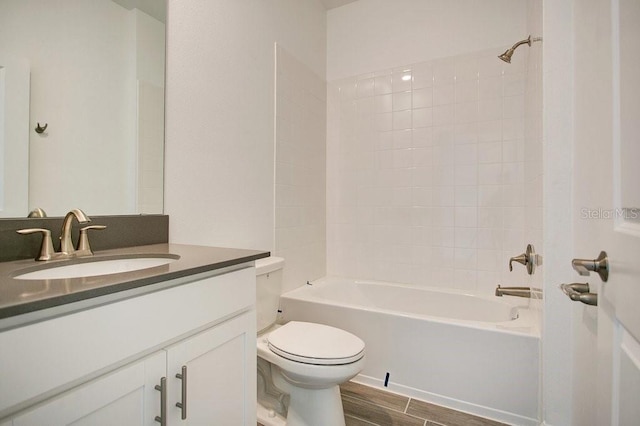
472	353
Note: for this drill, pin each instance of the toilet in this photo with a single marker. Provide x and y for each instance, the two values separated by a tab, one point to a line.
300	364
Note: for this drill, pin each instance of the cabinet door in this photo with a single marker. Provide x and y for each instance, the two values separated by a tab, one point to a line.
124	397
220	370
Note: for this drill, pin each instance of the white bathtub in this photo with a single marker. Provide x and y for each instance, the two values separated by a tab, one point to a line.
472	353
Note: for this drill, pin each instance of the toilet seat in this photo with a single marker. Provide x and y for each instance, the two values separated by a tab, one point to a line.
316	344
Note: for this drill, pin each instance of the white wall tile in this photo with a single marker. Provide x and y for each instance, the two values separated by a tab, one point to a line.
382	84
422	117
444	155
402	120
444	94
402	101
422	98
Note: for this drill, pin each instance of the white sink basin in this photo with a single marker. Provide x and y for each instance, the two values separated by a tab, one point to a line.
95	268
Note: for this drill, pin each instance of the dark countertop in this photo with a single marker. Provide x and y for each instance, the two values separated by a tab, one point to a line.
19	297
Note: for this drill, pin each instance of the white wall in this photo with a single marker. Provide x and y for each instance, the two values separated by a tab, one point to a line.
533	156
220	113
372	35
300	174
558	86
82	85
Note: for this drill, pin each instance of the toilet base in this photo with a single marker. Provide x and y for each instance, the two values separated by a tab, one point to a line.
310	408
268	417
316	407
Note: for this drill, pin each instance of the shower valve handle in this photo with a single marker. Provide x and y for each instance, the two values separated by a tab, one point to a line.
529	259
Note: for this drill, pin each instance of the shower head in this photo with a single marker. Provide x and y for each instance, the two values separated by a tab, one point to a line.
506	56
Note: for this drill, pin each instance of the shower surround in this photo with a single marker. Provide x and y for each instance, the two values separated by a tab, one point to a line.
426	173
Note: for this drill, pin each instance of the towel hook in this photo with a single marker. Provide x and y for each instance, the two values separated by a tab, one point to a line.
40	129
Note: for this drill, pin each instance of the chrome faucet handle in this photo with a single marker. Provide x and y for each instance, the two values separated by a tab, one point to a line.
529	259
84	249
46	247
522	259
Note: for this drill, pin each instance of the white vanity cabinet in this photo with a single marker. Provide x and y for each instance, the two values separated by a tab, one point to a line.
103	366
125	397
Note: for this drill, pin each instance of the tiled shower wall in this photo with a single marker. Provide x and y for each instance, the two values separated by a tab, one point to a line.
426	173
300	193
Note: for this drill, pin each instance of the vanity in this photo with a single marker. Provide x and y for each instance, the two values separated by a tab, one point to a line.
167	344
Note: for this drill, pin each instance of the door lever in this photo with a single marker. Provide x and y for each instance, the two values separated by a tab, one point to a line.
600	265
579	292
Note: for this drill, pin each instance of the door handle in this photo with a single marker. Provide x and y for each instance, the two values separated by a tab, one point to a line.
579	292
600	266
162	387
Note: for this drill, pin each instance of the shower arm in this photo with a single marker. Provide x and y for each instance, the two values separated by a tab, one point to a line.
521	42
506	56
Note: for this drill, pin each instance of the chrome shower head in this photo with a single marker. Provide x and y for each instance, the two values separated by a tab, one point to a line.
506	56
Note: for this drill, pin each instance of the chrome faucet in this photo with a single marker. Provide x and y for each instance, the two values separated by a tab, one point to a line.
66	244
67	250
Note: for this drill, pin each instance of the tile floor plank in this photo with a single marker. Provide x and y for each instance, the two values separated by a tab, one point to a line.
375	396
447	416
354	421
376	414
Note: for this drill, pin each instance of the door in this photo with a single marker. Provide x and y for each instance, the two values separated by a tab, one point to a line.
126	397
607	197
217	376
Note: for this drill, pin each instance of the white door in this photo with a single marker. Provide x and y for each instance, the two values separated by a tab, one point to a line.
607	196
126	397
219	367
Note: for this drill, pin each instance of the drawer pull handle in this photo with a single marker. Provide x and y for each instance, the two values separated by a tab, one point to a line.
183	404
162	387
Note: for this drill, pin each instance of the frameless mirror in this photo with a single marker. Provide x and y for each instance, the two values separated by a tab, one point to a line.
81	106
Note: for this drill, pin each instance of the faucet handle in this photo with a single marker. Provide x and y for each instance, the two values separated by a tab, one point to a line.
83	240
529	259
522	259
46	247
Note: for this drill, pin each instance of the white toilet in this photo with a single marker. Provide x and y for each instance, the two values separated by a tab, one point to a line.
299	362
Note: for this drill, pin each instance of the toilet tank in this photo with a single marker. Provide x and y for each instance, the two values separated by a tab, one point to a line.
268	287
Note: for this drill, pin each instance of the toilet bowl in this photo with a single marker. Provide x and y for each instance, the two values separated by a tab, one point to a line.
306	361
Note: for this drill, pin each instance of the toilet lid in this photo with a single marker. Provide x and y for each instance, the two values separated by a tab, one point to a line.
312	343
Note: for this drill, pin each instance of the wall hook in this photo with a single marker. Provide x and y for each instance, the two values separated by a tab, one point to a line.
40	129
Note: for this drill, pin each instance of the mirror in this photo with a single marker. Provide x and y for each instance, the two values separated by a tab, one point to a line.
96	73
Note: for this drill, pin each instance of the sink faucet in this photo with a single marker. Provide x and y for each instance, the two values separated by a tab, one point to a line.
67	250
66	244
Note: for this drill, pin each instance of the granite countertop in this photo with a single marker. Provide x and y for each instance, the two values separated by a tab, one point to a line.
18	297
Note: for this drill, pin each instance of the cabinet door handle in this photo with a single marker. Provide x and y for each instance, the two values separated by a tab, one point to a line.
162	387
183	404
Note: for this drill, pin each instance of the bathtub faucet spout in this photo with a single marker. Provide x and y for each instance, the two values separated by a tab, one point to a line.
513	291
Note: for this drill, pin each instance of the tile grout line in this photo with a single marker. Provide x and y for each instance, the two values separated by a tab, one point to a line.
406	407
364	420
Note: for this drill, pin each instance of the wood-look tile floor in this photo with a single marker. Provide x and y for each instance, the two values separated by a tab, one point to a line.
367	406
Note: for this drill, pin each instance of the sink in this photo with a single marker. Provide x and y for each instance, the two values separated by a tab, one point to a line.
95	267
